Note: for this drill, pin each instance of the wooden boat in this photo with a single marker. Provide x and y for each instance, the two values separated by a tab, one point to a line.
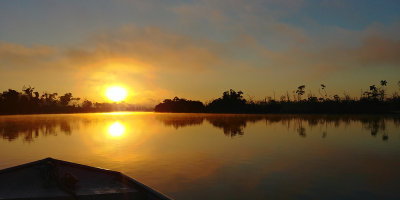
56	179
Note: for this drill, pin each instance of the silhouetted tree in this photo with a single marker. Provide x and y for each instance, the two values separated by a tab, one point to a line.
324	94
336	98
231	102
382	90
49	99
28	91
10	101
375	93
300	91
86	105
180	105
65	99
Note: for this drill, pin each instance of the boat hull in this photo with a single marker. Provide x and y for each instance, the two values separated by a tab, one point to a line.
56	179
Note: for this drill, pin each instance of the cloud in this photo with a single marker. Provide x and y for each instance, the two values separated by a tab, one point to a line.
225	20
16	55
154	46
132	56
379	51
143	58
218	43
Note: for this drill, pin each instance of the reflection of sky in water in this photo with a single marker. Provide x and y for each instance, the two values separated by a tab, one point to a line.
189	156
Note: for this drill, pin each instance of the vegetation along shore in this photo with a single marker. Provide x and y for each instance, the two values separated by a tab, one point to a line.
375	100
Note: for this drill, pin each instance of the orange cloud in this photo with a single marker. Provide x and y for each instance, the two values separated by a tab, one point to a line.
159	48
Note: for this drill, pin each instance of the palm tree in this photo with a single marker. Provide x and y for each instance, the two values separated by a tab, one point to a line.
300	91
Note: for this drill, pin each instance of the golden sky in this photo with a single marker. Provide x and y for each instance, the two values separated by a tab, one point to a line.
198	49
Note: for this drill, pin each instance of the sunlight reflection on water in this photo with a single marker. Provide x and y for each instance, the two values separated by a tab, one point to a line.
116	130
206	156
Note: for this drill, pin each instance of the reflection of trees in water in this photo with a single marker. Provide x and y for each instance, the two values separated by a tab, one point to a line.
30	129
233	125
181	121
302	131
377	126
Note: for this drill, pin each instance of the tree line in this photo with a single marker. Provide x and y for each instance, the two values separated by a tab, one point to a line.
373	100
29	101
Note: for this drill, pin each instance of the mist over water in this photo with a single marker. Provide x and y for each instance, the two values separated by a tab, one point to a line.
221	156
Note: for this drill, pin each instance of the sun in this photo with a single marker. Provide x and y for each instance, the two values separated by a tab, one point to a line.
116	93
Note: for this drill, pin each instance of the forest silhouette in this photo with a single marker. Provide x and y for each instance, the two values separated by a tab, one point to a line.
30	101
373	101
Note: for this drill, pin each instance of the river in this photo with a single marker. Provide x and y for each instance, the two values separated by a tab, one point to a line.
221	156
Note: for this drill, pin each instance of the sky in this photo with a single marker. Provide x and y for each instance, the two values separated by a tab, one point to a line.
198	49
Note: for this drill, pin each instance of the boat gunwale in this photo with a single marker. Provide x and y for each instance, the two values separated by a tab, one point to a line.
122	177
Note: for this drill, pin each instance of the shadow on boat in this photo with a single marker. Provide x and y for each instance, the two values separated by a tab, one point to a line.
56	179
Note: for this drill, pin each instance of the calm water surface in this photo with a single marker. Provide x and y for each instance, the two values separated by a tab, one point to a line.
199	156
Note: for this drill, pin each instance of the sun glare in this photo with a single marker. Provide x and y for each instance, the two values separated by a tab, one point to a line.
116	129
116	93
